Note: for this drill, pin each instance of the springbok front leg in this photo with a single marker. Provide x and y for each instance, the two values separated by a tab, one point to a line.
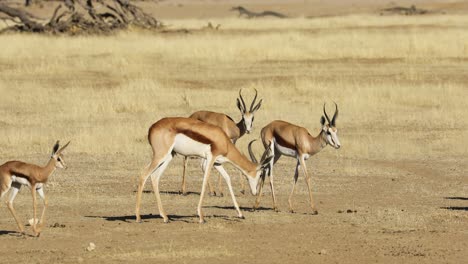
40	191
33	192
206	177
226	177
296	175
15	187
309	185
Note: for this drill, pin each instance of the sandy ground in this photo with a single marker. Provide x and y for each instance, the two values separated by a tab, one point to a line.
391	212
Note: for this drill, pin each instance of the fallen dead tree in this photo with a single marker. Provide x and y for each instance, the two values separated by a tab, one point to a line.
400	10
249	14
81	17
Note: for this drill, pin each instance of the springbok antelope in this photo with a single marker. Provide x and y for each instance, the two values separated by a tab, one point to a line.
14	174
190	137
233	130
290	140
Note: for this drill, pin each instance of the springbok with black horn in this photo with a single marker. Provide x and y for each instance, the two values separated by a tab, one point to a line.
233	130
190	137
294	141
14	174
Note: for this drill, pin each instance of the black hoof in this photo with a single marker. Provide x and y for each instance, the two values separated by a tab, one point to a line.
241	217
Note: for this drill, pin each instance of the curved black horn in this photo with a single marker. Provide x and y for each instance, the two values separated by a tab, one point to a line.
325	112
253	102
252	156
335	115
242	100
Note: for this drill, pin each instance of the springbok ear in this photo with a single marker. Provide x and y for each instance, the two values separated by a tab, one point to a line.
56	147
239	105
322	120
62	148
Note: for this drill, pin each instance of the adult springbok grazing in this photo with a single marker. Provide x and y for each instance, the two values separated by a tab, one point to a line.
14	174
233	130
295	141
190	137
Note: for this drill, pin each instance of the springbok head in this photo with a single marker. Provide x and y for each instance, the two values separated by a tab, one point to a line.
330	130
263	168
57	155
248	115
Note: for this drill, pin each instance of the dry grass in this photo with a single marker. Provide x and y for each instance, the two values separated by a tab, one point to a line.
400	90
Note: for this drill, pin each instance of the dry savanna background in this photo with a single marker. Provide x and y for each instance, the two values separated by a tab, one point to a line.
396	191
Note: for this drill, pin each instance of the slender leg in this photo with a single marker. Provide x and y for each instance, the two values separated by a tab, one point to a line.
242	183
226	177
307	177
141	184
203	165
206	176
155	177
276	158
184	188
296	175
257	201
33	192
220	186
40	191
14	191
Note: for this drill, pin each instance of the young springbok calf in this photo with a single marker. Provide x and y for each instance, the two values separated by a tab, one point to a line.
190	137
295	141
14	174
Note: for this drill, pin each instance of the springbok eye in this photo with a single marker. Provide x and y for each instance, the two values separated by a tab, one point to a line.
253	118
59	159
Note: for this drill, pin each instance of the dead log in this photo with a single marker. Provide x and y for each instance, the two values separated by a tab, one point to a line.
249	14
83	17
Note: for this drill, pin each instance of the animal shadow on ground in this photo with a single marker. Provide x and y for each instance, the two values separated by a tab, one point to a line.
456	208
241	207
171	192
457	198
8	232
176	218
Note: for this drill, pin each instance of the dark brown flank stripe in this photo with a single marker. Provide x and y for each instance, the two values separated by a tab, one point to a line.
282	142
196	136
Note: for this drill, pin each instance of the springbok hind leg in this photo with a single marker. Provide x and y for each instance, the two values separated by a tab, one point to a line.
141	184
155	177
184	187
13	192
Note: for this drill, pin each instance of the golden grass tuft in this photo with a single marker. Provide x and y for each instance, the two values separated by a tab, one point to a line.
399	82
